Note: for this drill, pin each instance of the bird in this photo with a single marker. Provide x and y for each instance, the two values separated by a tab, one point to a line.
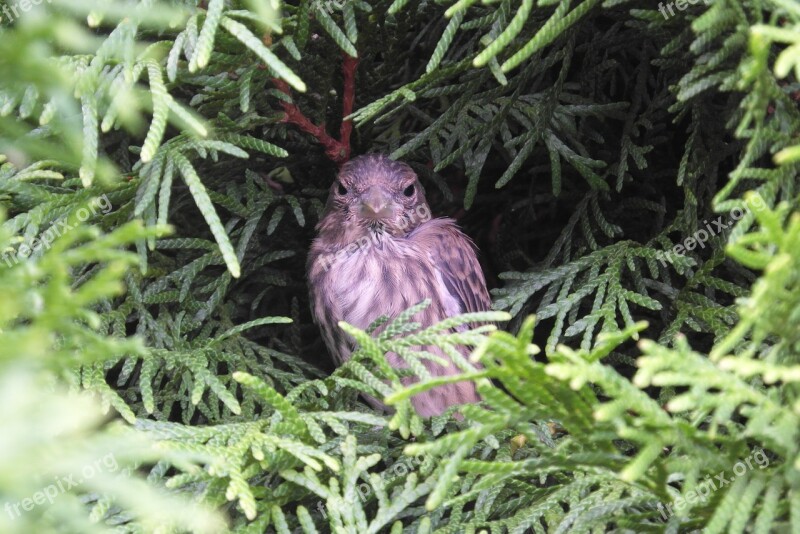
379	251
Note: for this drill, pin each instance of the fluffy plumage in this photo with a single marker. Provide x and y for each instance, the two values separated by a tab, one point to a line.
378	252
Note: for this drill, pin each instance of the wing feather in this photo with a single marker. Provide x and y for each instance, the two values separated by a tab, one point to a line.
454	255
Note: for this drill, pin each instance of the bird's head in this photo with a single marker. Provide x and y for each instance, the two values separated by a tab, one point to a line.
375	194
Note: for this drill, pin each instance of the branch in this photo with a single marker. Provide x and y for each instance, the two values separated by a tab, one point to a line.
337	150
349	66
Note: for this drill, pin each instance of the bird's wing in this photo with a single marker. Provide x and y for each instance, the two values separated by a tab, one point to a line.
453	254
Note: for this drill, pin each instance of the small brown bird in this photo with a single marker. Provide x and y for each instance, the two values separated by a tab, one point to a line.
378	251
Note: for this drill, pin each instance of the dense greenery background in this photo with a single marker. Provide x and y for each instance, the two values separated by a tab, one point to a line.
628	174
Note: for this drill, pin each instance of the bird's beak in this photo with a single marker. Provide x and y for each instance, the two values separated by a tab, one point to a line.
376	203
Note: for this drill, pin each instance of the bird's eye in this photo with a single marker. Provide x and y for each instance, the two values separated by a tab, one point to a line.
408	191
342	190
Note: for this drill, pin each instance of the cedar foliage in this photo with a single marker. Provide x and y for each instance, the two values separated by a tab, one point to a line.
579	142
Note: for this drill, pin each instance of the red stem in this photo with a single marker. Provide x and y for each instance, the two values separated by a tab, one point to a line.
337	150
349	66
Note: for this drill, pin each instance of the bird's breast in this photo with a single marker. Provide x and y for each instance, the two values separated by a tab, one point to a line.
379	276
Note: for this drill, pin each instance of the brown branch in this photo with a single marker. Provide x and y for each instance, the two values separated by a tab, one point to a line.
337	150
349	66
